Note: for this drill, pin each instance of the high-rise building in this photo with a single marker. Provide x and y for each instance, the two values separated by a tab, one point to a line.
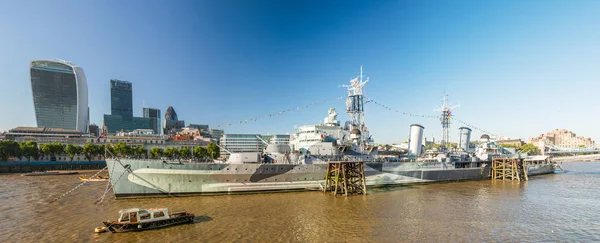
171	123
121	101
154	116
121	107
60	95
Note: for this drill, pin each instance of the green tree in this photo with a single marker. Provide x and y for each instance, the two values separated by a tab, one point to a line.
52	149
90	150
73	150
529	149
156	152
171	152
452	145
213	150
110	150
140	151
122	149
29	149
200	152
509	146
184	152
9	148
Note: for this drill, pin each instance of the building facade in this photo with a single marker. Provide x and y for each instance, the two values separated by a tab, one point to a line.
60	95
93	130
563	138
121	118
121	101
171	122
153	115
241	143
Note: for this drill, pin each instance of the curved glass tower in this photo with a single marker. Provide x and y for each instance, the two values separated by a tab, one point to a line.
60	95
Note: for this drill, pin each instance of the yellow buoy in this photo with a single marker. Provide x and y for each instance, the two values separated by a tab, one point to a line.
100	229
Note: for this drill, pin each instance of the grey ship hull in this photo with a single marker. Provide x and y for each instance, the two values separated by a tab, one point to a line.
157	178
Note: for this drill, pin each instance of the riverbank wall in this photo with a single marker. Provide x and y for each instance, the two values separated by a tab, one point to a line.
25	167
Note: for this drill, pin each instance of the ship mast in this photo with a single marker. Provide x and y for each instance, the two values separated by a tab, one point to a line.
445	115
355	105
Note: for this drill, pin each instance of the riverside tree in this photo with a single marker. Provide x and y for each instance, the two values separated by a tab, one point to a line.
122	149
170	152
73	150
213	150
90	150
52	149
9	148
529	148
29	149
184	152
200	152
156	152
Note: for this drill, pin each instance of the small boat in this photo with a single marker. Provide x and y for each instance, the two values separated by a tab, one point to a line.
44	173
135	219
97	178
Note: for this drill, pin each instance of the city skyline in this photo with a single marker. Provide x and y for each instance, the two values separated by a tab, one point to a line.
516	69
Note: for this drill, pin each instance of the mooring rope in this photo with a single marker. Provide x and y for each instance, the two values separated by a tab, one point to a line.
108	185
75	188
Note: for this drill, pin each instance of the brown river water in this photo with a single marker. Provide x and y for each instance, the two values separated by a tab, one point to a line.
548	208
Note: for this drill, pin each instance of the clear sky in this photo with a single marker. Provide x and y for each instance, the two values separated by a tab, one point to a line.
517	68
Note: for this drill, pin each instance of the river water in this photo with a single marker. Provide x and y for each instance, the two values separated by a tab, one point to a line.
548	208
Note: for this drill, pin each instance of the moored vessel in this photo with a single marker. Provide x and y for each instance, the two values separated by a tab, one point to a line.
301	163
135	219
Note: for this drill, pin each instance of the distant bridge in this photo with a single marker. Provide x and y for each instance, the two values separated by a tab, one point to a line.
561	150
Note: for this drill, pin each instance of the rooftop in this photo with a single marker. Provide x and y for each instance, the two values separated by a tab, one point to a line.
43	129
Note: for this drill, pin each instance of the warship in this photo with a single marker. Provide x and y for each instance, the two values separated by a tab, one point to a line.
301	162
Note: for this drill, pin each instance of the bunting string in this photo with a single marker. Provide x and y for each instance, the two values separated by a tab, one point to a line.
397	111
269	115
429	116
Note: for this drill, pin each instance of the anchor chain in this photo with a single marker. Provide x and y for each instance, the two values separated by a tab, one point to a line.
75	188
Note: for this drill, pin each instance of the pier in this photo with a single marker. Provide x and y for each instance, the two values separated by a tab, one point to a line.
509	169
345	178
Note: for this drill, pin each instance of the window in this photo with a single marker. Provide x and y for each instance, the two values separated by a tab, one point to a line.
159	214
144	215
124	217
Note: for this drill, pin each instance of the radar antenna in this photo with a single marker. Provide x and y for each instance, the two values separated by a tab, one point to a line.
446	110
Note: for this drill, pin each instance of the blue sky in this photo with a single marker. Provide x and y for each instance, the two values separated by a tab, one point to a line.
517	68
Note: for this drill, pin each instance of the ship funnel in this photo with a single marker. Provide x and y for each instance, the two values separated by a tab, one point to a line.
464	138
415	140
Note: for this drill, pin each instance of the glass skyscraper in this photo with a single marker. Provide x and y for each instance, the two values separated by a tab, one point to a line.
154	116
121	108
121	101
60	95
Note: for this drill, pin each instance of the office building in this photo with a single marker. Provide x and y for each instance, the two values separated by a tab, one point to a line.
60	95
154	116
240	143
121	118
121	101
172	123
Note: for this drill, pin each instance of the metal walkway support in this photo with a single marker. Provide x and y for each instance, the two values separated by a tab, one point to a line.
509	169
345	178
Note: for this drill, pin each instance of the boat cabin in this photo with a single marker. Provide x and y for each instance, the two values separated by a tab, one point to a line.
136	215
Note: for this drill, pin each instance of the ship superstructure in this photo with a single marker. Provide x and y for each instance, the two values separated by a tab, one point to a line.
301	163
